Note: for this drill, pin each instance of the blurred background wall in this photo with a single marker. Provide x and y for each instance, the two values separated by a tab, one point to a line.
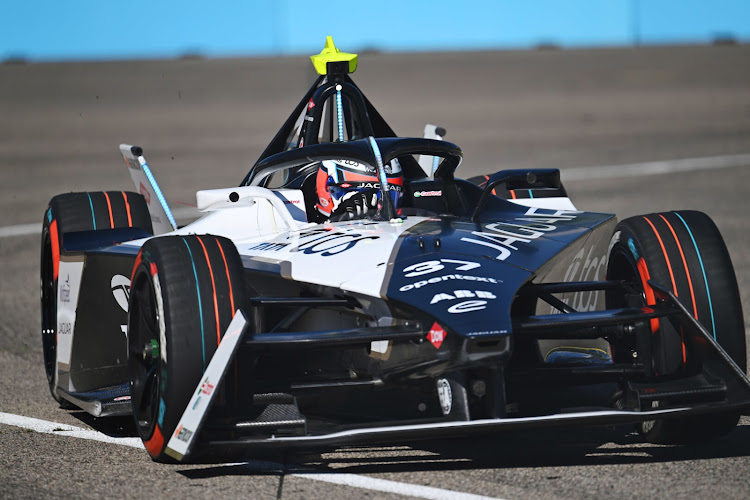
54	30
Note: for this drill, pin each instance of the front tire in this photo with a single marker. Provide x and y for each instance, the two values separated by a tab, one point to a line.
72	212
685	252
184	293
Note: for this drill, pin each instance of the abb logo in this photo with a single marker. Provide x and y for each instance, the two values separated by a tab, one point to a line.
466	305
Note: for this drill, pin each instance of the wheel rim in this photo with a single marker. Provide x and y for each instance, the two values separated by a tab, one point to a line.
144	361
49	310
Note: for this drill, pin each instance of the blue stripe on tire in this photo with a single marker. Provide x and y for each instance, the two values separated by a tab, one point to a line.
91	204
200	306
703	270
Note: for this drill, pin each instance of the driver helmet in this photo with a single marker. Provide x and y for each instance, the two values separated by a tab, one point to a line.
337	180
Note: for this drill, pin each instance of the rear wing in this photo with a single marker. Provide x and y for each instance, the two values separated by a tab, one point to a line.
162	219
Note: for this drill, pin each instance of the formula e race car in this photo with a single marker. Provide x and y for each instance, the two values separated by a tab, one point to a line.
351	290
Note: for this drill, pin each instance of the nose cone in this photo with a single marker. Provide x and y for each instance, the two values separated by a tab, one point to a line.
470	294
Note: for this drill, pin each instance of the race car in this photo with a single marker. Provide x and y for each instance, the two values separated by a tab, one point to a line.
352	290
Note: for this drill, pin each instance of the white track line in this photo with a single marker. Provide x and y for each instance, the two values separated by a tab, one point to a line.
654	167
352	480
20	230
568	174
412	490
27	229
45	427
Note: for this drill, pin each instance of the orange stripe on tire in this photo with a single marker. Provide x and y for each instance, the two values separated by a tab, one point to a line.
135	265
109	206
684	263
55	247
127	208
229	280
231	303
213	285
666	257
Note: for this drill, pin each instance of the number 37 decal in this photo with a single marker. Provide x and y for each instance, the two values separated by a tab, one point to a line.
433	266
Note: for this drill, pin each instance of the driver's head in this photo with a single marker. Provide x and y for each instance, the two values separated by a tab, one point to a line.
341	180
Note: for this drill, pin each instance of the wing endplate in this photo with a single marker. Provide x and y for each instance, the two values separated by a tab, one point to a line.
185	435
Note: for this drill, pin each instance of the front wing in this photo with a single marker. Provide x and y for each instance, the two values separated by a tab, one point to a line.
722	387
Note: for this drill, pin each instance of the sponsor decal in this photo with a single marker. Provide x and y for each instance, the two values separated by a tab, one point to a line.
436	335
327	242
183	434
445	395
447	277
355	164
68	289
505	236
132	163
432	266
143	190
121	290
462	294
371	185
206	387
65	289
425	194
482	297
584	270
467	306
269	247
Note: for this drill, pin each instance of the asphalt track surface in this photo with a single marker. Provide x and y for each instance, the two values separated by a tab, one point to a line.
202	122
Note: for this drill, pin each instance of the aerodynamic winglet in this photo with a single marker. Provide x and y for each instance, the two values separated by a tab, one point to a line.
162	219
191	422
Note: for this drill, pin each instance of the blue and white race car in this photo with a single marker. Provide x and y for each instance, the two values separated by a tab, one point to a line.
353	290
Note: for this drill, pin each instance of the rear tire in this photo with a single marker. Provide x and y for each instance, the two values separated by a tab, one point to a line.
67	213
184	293
685	252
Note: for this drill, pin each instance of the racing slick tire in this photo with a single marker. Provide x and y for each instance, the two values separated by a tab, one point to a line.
67	213
685	252
184	293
